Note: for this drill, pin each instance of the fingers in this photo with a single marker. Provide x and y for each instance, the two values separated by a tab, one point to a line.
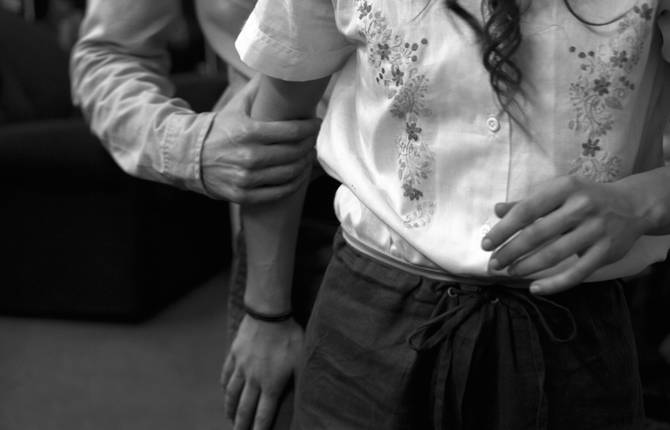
231	181
254	156
272	132
266	194
269	194
593	258
246	408
265	412
273	175
516	216
233	393
501	209
574	242
227	370
278	175
535	236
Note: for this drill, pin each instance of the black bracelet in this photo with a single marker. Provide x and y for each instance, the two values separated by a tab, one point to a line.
271	318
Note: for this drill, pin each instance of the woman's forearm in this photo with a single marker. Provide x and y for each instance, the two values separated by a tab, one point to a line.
271	228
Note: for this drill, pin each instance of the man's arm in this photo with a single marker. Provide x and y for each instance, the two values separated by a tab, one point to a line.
120	70
263	355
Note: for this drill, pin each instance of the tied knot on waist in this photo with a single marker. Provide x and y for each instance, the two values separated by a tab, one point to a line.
463	320
445	318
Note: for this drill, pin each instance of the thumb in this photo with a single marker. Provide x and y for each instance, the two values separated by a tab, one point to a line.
244	99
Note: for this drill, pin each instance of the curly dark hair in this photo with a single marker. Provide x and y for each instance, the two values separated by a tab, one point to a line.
500	37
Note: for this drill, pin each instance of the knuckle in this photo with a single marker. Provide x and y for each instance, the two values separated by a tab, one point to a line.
246	156
233	136
573	219
247	129
229	398
243	178
254	128
525	213
583	202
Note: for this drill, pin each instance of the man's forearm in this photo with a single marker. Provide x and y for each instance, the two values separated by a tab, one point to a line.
119	71
271	228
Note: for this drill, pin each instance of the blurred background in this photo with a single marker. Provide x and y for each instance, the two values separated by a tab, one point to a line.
105	321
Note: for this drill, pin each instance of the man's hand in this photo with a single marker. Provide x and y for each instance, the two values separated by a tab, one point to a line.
569	216
260	363
249	161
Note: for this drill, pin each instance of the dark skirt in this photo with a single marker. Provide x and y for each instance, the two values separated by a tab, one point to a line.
386	349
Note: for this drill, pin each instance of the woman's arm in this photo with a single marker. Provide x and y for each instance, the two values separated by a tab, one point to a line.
263	355
271	228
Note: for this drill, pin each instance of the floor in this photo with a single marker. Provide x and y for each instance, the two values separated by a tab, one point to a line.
161	374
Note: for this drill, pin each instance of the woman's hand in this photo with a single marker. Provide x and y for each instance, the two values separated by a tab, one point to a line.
261	361
249	161
599	223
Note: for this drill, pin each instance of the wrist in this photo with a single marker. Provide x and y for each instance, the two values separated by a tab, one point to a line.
199	165
650	203
269	317
268	288
267	301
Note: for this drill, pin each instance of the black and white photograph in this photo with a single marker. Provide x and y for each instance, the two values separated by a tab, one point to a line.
335	215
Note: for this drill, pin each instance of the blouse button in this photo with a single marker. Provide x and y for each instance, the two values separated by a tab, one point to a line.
493	124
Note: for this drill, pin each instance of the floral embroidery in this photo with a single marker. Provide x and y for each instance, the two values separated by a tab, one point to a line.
394	60
601	91
590	148
600	168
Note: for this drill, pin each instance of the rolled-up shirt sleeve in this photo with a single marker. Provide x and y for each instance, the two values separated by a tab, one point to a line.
119	70
293	40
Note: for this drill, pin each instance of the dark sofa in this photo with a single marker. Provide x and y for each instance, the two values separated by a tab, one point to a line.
80	238
83	239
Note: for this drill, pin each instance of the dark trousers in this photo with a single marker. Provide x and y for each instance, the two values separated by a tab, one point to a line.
386	349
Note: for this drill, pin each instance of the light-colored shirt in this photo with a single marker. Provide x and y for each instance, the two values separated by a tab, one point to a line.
417	138
120	70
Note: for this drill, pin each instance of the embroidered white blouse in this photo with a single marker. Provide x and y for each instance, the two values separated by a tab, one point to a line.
417	139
